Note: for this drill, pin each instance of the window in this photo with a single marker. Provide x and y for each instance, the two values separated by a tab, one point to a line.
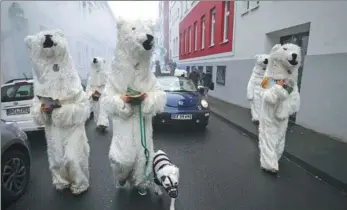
226	20
249	5
187	6
213	25
196	36
200	69
203	32
209	70
190	39
185	42
220	79
17	92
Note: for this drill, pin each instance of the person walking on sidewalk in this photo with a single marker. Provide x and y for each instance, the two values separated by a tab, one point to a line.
157	69
280	100
207	81
195	77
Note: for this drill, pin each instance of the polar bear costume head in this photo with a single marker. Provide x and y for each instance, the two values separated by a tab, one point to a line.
98	71
261	63
53	70
135	45
284	62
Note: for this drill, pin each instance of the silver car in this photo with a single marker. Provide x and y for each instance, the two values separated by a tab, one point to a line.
15	162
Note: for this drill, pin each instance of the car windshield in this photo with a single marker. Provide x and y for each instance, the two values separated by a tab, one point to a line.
17	92
176	84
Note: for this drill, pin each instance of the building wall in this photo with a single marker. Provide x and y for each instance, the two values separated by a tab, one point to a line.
174	14
166	29
203	11
81	27
258	29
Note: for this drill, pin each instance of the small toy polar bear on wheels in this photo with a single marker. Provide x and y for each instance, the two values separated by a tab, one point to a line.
165	174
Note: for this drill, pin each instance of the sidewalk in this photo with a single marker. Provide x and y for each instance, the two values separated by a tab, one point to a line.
317	153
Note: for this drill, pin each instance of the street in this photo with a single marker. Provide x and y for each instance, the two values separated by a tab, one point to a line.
219	170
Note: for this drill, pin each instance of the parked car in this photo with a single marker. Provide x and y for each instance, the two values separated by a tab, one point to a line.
15	162
16	100
185	104
181	72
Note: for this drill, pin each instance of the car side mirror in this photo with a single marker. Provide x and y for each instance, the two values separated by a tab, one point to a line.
202	90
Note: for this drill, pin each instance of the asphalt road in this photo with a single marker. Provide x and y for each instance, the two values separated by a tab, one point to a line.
219	171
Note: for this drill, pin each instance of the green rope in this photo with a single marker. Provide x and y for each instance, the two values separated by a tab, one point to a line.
143	139
142	128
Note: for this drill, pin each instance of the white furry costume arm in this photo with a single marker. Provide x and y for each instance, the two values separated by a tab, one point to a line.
89	89
250	89
74	113
113	104
155	101
275	94
294	103
288	107
40	118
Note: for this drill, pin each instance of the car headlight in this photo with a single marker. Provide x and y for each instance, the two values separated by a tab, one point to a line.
204	103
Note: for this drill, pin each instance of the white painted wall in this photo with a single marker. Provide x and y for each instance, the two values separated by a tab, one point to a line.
256	31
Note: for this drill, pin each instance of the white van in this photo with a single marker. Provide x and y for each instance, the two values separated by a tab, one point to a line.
179	72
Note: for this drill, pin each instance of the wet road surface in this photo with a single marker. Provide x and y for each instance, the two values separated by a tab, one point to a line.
219	170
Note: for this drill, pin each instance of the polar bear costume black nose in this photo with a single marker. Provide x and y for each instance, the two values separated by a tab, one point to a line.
266	61
294	56
95	60
48	43
148	43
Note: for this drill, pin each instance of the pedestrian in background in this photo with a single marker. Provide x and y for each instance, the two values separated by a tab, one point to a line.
157	69
195	77
207	82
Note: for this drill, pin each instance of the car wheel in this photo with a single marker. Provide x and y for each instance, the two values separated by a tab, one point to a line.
15	175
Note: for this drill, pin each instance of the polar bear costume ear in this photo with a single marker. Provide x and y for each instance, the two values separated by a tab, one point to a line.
28	40
256	57
59	32
276	47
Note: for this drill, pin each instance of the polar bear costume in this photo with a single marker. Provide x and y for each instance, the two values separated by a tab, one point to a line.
55	76
97	82
278	105
254	85
130	68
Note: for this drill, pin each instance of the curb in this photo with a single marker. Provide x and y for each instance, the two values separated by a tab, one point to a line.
325	177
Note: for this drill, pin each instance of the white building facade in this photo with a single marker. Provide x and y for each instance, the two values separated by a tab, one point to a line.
88	25
319	27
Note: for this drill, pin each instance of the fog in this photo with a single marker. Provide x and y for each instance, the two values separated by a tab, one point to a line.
89	27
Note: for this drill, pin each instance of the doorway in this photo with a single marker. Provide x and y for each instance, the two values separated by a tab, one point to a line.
300	39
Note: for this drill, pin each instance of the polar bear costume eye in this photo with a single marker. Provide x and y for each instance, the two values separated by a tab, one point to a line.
133	28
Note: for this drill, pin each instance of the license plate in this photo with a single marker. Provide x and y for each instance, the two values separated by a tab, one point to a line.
181	116
18	111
